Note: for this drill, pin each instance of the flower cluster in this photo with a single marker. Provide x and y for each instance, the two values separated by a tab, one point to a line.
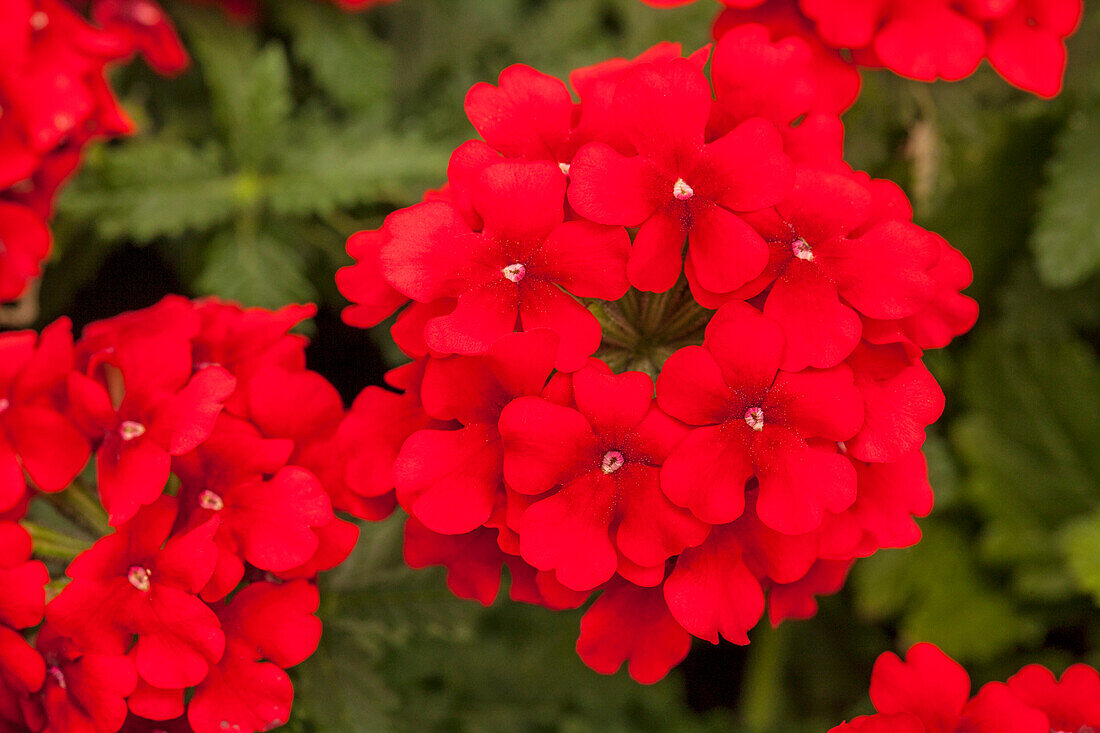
666	347
1024	40
54	98
930	693
218	463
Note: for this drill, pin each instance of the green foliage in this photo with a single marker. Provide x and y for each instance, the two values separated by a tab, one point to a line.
1066	240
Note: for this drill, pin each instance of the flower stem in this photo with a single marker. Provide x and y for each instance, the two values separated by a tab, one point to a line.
49	543
78	505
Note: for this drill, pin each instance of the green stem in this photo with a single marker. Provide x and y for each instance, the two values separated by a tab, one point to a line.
764	699
49	543
78	505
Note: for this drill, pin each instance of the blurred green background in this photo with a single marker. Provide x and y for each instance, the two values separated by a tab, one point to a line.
250	171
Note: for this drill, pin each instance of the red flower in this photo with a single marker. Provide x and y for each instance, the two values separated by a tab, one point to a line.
602	461
678	185
85	692
22	670
514	268
35	434
26	243
143	26
1071	703
755	420
451	479
932	688
142	582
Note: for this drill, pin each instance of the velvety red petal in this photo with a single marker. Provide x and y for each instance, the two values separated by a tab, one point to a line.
610	188
633	625
482	316
995	708
930	41
241	694
746	169
824	205
545	305
1070	703
130	475
657	256
652	529
426	257
798	483
928	684
179	637
820	331
690	387
543	443
725	252
747	346
520	201
612	403
820	403
663	107
587	259
568	532
707	473
710	592
52	450
529	115
277	620
896	412
449	479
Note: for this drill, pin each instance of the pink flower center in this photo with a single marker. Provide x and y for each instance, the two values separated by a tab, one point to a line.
139	578
682	191
58	676
39	20
4	404
514	272
130	430
612	461
145	14
754	417
209	500
564	168
802	249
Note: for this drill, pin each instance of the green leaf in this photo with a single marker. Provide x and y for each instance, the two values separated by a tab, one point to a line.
249	85
344	58
148	188
941	596
1081	543
255	271
1066	241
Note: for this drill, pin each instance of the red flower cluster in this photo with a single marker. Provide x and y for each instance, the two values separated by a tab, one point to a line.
53	100
930	693
1024	40
761	449
203	594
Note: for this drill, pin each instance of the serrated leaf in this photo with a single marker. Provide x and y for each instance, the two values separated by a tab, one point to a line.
1081	543
148	188
249	85
255	271
344	58
1066	240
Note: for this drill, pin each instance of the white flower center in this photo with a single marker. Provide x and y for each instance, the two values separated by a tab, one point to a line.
802	249
39	20
612	461
564	168
58	676
754	417
130	430
682	191
209	500
139	578
514	272
4	404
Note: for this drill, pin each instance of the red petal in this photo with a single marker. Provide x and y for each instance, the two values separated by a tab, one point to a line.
725	252
820	403
529	115
710	592
449	479
544	305
179	637
52	450
130	475
663	108
612	403
482	316
690	387
798	483
568	532
610	188
587	259
747	346
657	256
652	529
746	170
241	694
928	684
543	444
520	201
995	708
427	256
631	624
707	473
820	331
